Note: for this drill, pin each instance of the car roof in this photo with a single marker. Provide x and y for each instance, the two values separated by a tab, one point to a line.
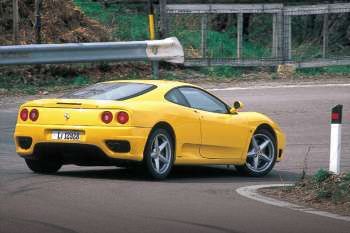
161	84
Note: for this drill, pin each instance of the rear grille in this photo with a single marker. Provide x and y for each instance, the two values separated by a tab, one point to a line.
78	154
118	146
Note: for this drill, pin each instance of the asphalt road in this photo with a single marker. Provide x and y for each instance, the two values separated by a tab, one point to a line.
193	199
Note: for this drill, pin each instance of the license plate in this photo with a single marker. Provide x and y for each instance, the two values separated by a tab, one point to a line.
66	135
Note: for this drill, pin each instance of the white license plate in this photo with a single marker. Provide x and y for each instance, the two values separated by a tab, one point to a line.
65	135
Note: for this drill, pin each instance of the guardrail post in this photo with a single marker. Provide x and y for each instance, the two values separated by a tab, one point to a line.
287	38
239	35
204	33
274	36
163	18
279	36
151	25
335	145
325	36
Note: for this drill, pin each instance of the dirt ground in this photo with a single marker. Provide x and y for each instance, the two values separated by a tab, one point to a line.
306	196
62	22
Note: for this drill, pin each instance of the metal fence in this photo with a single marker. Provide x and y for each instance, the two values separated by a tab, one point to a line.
259	34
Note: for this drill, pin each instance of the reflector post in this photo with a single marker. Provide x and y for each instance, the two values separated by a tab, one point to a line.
335	140
336	117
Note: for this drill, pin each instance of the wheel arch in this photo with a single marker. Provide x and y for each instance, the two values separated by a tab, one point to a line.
165	125
268	128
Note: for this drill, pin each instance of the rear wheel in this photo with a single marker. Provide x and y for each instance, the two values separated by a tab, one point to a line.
159	154
42	165
261	156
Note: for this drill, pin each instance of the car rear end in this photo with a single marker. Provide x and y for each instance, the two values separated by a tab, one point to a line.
78	125
79	128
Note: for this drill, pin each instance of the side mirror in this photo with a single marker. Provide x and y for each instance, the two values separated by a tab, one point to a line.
236	106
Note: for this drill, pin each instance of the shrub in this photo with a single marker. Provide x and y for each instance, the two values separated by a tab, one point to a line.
321	175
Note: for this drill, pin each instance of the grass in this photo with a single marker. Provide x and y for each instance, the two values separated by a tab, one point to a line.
219	44
16	84
341	70
222	71
127	23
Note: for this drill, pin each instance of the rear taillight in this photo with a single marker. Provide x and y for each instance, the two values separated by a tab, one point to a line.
107	117
122	117
34	114
24	114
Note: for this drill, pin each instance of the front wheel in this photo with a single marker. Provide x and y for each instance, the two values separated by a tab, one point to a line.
262	154
44	166
159	154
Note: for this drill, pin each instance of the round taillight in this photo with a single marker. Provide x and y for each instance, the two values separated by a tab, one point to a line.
107	117
24	114
122	117
34	114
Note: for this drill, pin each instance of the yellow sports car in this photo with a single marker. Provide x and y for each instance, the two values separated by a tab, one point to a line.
154	123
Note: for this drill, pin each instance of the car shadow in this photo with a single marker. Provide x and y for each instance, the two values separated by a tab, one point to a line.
181	174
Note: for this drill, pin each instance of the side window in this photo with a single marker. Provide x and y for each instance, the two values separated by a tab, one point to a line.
201	100
176	97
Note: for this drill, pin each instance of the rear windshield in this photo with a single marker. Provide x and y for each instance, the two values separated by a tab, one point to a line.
111	91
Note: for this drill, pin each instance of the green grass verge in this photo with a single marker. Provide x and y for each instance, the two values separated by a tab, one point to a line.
16	84
340	70
323	187
335	188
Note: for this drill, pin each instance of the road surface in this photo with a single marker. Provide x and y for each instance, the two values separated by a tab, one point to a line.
193	199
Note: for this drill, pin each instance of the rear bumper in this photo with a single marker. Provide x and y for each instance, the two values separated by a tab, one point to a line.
90	135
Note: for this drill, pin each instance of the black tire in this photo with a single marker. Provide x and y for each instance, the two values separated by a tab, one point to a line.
248	170
44	166
149	161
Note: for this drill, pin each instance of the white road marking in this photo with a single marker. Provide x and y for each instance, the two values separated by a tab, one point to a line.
281	86
10	110
252	193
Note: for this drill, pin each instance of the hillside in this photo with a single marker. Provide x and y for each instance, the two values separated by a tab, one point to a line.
61	22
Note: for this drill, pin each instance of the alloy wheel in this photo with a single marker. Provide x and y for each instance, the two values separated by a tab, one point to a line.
261	153
161	154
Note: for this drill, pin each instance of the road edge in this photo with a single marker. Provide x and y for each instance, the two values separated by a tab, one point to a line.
258	87
251	192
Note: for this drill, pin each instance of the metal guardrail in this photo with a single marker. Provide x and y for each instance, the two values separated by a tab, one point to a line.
169	50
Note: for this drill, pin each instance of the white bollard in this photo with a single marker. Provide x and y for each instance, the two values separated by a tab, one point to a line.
335	148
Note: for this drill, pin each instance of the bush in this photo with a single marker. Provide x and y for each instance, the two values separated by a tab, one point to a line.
321	175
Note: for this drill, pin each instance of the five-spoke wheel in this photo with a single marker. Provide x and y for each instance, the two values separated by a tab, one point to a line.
159	154
261	155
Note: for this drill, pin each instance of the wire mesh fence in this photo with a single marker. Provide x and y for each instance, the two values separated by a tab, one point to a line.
261	34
